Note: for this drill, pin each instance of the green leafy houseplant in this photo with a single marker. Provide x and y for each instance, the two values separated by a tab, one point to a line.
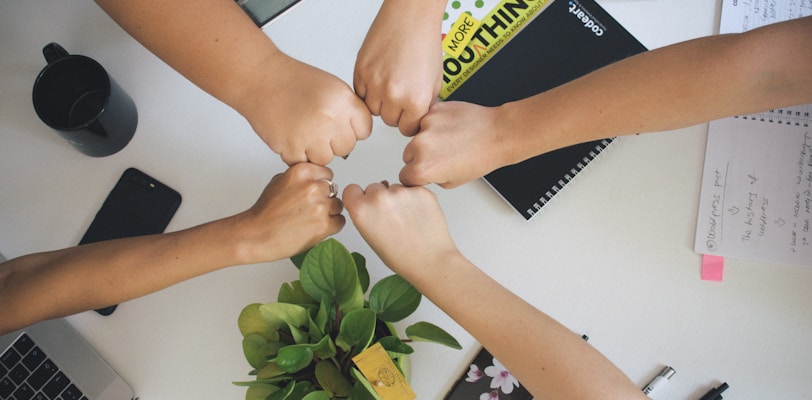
301	347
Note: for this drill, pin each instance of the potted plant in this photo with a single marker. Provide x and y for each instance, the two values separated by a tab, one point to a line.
301	347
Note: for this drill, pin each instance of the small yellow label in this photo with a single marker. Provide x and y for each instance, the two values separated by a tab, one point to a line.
460	34
383	374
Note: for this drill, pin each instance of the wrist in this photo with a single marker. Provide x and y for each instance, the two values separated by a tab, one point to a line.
246	242
261	83
438	274
529	128
512	133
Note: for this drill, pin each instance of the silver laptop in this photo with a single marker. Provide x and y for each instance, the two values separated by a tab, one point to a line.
50	360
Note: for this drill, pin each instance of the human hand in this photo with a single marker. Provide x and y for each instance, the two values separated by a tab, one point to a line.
399	75
405	226
293	214
457	143
304	113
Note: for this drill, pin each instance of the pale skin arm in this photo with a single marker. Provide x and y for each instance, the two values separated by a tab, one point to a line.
399	75
668	88
292	214
561	366
301	112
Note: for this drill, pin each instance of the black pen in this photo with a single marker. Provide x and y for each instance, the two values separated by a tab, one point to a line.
715	393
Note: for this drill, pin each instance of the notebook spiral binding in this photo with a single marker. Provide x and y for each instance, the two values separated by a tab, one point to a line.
796	116
580	167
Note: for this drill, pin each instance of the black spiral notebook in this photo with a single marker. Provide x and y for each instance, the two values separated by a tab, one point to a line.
565	40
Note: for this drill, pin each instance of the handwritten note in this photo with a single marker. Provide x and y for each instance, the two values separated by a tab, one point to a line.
743	15
756	200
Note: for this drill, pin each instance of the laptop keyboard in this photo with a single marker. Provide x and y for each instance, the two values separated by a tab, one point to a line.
26	373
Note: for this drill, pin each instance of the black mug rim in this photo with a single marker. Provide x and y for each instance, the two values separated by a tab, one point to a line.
55	64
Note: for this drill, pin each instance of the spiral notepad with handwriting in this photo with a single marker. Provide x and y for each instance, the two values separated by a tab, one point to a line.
756	200
563	41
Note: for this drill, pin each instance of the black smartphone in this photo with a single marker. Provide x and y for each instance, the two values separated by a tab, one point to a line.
138	205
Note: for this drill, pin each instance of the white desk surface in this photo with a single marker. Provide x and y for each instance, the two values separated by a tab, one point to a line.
611	257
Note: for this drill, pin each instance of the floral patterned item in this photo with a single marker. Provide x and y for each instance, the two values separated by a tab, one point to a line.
487	379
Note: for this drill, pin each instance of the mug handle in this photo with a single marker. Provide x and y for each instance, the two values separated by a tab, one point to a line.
52	52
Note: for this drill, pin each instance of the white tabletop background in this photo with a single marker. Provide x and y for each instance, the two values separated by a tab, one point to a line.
610	257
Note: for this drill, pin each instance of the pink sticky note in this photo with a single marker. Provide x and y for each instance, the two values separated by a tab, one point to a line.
712	267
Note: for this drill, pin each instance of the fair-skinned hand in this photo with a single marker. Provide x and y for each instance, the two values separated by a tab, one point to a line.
293	214
304	113
457	142
405	226
399	75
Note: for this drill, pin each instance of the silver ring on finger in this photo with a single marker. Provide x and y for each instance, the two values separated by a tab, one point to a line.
333	188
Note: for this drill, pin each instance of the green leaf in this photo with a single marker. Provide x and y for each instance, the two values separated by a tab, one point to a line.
294	358
257	350
298	259
293	293
357	329
363	274
283	394
264	382
329	270
331	379
284	313
393	298
355	302
260	392
362	390
294	316
318	324
317	395
427	332
270	371
250	322
300	390
325	348
393	344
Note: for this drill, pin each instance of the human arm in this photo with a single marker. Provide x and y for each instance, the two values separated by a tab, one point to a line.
398	71
301	112
292	214
562	366
672	87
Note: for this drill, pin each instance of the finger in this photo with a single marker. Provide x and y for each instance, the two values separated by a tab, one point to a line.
336	223
373	188
325	188
373	103
448	185
351	195
358	85
292	158
321	154
391	114
409	123
342	144
361	122
336	206
311	172
409	153
408	177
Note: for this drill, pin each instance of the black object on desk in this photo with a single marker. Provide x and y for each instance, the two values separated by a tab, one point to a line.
715	393
138	205
566	40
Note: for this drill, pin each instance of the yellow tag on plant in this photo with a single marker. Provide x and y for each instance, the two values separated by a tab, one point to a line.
383	374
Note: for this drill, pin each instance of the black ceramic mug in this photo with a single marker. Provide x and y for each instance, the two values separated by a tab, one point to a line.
75	96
